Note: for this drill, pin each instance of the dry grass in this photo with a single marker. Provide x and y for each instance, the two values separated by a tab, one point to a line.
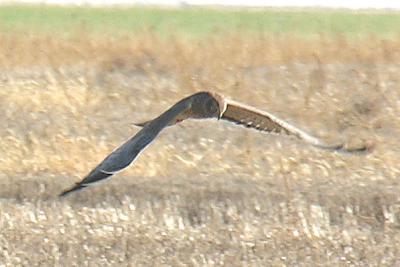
206	193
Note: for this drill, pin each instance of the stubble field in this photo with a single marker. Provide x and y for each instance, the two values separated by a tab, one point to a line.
205	193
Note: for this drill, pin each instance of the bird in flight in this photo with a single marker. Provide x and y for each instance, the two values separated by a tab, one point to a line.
200	105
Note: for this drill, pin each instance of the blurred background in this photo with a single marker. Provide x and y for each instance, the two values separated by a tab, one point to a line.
75	75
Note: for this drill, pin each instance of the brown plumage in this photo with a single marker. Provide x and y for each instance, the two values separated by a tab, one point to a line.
198	106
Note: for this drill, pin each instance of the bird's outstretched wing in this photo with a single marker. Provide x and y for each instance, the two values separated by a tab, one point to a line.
264	121
124	155
198	106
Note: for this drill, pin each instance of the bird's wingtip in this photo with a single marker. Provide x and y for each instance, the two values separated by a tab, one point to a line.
359	147
72	189
366	147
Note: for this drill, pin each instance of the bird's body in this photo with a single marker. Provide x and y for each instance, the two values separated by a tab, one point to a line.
197	106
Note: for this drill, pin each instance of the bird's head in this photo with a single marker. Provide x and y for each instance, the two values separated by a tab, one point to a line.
207	105
221	103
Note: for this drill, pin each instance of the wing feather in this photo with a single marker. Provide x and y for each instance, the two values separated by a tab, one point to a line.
264	121
124	155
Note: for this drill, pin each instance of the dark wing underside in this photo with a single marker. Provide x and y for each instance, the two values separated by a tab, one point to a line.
263	121
124	155
117	160
180	117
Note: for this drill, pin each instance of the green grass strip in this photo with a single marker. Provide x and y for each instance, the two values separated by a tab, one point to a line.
196	21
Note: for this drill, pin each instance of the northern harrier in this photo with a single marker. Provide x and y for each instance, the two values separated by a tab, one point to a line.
201	105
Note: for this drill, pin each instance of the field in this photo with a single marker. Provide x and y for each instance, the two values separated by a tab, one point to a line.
205	193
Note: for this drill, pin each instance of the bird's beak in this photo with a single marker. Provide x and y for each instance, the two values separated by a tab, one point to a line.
219	115
222	108
222	104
